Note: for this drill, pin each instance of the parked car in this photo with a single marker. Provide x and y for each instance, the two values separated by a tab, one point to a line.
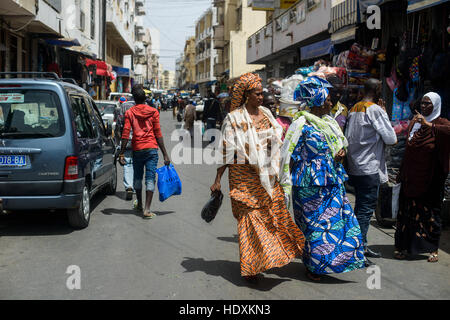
55	152
109	111
115	96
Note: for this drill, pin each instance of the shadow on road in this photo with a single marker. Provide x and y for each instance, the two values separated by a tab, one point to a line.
387	252
234	239
296	271
37	223
230	271
111	211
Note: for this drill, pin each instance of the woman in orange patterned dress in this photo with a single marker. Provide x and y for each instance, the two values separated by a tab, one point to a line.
268	236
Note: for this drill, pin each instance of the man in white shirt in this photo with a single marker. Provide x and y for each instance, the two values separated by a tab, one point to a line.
368	131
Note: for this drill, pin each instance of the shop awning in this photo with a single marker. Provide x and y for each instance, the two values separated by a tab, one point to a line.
343	13
317	49
65	42
345	34
121	72
103	69
416	5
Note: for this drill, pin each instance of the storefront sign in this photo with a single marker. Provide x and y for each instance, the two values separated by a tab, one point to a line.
301	12
286	4
317	49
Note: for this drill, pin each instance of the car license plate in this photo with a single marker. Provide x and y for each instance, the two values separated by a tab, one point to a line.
13	161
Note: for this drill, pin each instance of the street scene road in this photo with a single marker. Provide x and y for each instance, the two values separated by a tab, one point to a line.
177	255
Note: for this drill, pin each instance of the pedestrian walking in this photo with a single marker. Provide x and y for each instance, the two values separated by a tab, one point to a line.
212	113
143	120
128	156
174	107
313	147
268	237
189	117
368	131
422	175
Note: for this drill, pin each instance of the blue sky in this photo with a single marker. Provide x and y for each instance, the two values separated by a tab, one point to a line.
175	20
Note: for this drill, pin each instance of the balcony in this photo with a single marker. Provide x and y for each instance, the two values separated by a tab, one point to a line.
288	30
207	33
115	29
140	11
203	55
219	37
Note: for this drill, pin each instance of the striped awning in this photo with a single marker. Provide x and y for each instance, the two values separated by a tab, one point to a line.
343	13
416	5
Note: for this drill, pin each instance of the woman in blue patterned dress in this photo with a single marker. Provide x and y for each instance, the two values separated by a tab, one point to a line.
321	208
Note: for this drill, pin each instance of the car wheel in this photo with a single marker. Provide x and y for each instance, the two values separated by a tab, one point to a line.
79	217
112	185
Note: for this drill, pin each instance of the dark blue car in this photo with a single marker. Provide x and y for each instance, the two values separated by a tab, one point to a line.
55	152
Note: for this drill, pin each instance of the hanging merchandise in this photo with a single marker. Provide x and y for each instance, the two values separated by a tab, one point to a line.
401	109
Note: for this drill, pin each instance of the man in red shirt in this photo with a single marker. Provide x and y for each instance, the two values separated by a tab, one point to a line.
146	138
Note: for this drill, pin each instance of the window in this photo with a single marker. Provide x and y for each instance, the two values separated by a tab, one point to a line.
81	117
96	118
92	19
29	114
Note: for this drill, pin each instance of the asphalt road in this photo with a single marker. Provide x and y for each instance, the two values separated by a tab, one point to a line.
177	255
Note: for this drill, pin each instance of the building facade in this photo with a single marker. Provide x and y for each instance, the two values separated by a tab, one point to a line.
235	22
205	54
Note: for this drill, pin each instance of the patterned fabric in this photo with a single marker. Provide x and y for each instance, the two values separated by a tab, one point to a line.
313	90
315	165
268	236
321	208
242	141
246	82
327	126
333	238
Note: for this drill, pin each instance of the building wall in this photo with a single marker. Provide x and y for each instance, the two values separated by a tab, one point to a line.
251	22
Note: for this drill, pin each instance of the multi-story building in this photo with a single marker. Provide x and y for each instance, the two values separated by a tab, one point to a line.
120	37
205	54
141	45
38	35
291	38
235	22
188	68
178	71
168	80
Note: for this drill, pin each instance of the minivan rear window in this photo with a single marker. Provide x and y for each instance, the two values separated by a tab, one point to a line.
27	113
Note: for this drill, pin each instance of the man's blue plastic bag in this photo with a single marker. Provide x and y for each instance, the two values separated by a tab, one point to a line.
169	184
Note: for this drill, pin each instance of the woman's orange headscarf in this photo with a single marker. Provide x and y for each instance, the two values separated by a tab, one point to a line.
246	82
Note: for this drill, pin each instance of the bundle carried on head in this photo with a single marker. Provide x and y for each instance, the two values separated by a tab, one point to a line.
313	91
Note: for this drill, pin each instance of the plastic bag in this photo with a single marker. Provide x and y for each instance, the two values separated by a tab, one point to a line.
289	85
211	208
169	184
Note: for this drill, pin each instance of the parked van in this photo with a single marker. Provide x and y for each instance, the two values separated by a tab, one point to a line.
55	151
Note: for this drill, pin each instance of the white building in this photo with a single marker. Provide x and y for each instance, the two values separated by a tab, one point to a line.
205	54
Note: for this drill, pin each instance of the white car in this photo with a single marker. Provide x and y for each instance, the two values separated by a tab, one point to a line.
115	96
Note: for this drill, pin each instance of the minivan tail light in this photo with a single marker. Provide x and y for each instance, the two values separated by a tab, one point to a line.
71	168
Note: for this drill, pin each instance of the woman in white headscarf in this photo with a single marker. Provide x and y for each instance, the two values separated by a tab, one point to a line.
423	172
